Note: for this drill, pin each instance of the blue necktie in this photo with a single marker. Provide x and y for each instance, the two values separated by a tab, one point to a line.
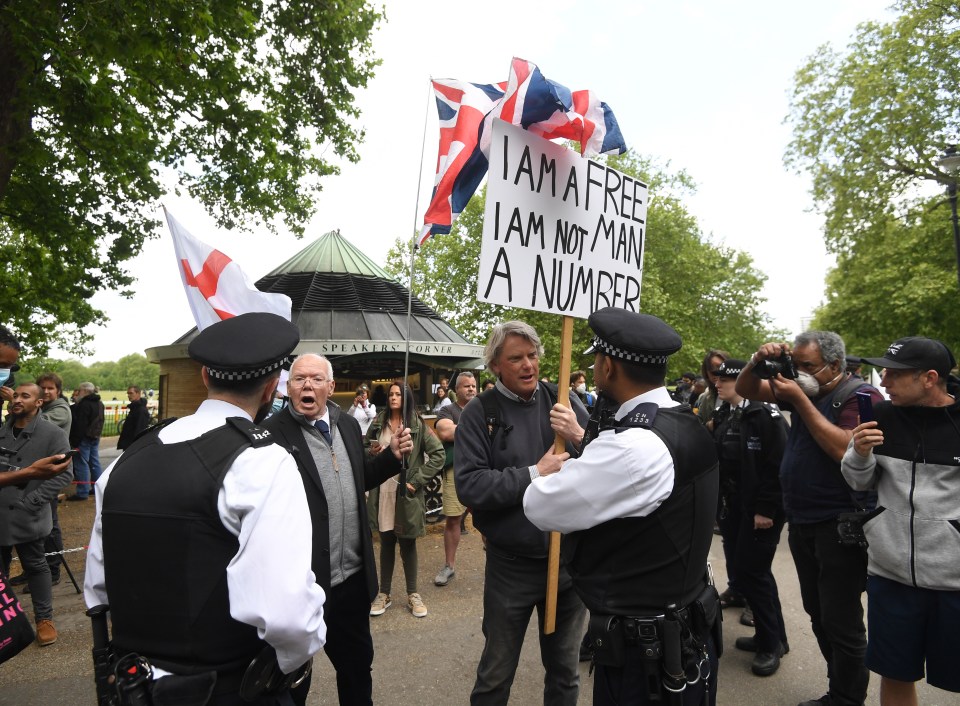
324	430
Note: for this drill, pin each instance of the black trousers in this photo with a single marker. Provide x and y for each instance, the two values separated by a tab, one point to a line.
832	578
749	553
349	645
627	685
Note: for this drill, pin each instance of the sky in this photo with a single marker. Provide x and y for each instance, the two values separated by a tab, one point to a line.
700	85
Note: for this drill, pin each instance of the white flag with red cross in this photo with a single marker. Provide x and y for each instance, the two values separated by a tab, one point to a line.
216	287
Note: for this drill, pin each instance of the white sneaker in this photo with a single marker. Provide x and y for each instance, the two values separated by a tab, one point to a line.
416	606
446	573
380	604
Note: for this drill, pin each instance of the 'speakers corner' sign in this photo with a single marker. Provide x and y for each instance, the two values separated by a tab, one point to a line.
562	234
446	350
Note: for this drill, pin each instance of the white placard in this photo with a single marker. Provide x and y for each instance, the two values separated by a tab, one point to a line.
561	234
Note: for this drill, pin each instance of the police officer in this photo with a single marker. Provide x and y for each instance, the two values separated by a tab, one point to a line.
637	509
200	544
750	438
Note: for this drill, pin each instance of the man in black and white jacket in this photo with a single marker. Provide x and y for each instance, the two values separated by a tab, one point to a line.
911	456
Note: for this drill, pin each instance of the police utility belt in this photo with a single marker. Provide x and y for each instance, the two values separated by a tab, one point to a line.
671	648
127	679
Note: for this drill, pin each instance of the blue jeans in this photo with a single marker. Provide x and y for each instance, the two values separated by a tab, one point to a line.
86	466
512	587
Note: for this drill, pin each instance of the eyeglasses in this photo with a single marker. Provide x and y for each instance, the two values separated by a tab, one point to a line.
301	380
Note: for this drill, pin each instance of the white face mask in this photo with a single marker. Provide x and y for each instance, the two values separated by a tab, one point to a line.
4	375
582	388
810	385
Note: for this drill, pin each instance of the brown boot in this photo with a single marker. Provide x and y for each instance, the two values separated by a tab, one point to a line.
46	633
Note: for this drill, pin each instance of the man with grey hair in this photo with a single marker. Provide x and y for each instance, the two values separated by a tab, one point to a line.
328	447
85	430
810	380
504	440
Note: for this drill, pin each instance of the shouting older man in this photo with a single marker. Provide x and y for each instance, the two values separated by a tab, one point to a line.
336	472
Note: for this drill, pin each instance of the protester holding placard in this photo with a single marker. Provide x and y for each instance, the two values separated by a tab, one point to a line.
504	440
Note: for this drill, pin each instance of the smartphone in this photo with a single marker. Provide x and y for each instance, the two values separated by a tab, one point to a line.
72	453
865	405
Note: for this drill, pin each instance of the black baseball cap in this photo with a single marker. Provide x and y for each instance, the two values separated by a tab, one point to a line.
916	353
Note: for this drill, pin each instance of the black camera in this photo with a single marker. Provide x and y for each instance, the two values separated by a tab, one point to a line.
771	367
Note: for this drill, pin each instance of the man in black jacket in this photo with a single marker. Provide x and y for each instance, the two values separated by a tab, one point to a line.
328	447
494	464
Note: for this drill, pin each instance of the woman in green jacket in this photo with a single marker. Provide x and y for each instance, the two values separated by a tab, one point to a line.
398	510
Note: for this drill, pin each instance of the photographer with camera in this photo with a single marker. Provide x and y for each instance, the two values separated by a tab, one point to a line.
909	455
810	381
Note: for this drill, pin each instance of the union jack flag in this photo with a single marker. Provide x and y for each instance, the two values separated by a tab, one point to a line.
553	111
527	99
460	164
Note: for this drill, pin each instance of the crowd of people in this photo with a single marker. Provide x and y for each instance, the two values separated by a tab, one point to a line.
40	428
635	478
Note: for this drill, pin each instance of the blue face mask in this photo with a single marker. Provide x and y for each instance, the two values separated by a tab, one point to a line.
4	375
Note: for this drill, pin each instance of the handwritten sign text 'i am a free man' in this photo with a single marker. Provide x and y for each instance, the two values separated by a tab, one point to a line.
562	234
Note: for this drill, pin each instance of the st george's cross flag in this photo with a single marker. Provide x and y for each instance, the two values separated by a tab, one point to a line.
216	287
527	99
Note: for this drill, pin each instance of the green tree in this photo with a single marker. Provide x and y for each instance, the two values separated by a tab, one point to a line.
873	299
869	125
100	99
710	294
133	369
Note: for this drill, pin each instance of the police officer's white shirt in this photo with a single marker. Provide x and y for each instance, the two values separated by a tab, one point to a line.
262	502
619	475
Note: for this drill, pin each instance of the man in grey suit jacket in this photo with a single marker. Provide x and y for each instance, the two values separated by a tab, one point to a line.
327	445
25	518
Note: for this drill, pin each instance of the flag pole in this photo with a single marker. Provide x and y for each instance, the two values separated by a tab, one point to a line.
559	446
413	252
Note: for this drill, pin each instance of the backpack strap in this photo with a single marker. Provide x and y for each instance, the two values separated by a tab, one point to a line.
491	411
491	408
842	394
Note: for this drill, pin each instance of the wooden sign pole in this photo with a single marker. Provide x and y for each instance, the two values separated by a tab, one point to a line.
559	445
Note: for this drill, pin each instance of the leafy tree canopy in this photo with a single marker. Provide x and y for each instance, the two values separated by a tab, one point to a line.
710	294
870	125
99	99
901	283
